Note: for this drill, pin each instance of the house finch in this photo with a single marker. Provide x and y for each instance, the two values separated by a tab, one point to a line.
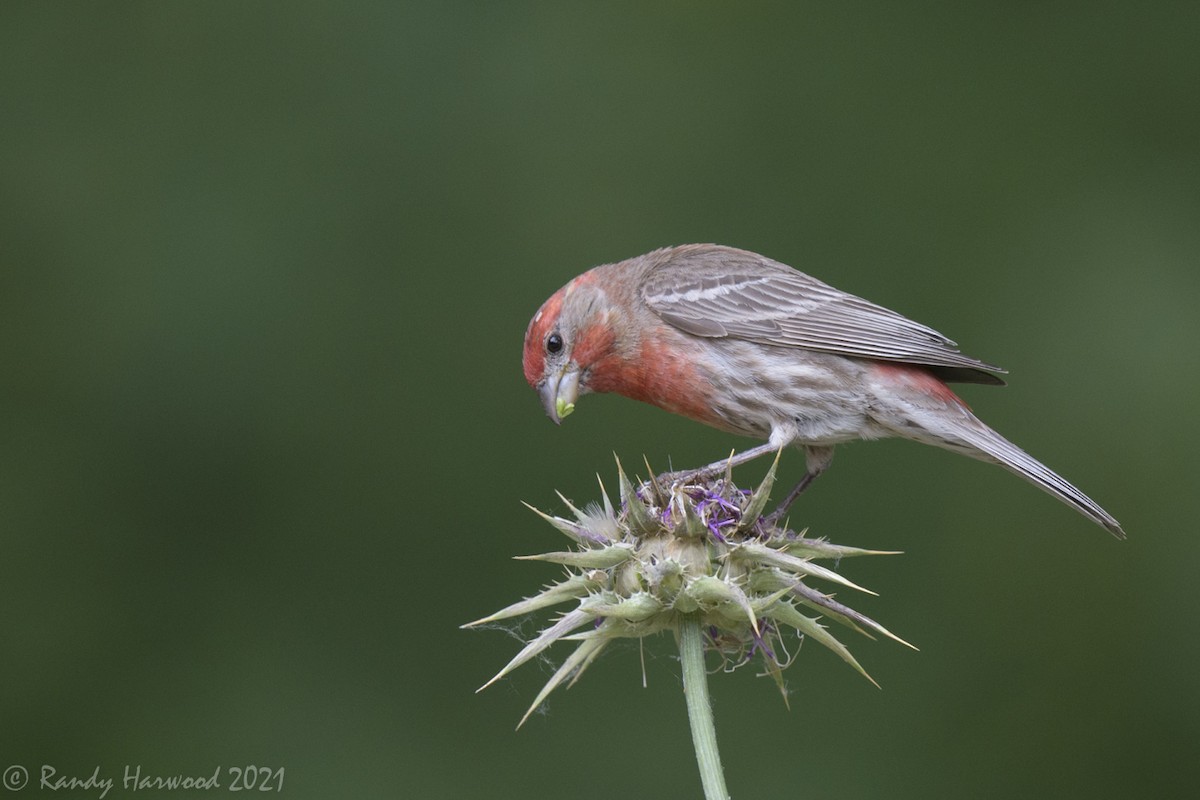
751	346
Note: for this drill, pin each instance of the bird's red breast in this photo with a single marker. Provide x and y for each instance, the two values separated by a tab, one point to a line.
658	372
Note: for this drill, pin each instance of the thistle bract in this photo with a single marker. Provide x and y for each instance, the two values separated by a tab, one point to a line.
694	545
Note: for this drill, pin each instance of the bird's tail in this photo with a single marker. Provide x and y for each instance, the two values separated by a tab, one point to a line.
959	430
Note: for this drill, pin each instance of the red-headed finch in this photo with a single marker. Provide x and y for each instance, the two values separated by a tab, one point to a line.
751	346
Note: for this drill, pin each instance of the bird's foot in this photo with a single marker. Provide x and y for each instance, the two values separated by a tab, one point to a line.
797	490
710	471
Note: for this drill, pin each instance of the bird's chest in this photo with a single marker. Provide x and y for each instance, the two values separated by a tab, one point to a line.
664	372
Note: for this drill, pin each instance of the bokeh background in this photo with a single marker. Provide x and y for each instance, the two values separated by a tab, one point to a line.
264	273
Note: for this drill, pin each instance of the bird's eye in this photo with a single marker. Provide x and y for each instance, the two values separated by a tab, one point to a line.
554	343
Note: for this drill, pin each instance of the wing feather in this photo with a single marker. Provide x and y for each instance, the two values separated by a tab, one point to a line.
714	291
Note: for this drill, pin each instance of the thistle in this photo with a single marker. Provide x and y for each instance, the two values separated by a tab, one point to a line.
698	557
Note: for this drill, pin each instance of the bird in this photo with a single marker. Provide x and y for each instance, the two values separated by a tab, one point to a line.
751	346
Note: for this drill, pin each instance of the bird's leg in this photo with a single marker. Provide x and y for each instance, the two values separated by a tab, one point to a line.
817	462
717	467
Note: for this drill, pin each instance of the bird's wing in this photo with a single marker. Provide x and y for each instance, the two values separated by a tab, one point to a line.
717	292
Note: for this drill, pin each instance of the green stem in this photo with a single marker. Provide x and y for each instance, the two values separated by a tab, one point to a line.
695	689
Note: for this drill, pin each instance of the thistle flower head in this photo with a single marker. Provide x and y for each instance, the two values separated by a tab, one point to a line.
698	546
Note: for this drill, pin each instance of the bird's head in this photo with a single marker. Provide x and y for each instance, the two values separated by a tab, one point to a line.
569	339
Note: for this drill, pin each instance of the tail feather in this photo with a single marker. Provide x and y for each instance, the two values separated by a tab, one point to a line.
998	449
965	433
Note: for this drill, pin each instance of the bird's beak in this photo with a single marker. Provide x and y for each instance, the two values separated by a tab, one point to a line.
559	392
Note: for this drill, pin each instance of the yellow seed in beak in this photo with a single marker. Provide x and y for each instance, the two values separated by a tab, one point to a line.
563	407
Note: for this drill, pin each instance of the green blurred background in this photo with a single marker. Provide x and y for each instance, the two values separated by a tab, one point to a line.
265	272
